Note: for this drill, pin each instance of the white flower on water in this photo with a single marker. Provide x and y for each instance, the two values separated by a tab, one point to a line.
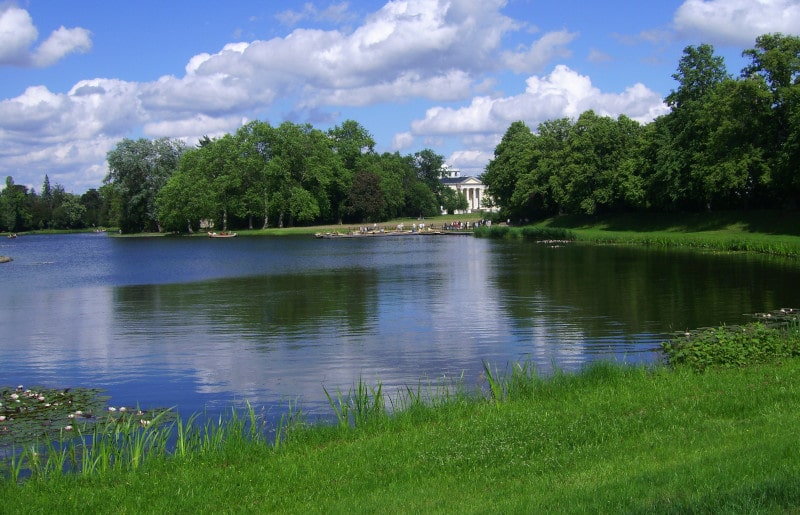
112	408
67	428
123	408
14	396
2	418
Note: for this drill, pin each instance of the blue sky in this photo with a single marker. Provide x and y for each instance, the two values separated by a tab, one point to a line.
77	77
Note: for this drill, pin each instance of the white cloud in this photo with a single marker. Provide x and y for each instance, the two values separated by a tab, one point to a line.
411	48
18	33
62	42
534	58
736	22
402	141
562	93
192	128
472	162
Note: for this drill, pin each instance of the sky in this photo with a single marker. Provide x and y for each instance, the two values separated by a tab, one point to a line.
449	75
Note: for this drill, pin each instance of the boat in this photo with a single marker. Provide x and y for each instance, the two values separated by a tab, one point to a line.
12	236
222	234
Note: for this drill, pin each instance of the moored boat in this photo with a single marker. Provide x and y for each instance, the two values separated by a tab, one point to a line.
222	234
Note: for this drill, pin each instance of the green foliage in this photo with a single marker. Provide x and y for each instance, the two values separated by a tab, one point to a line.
361	405
727	144
527	233
137	172
774	338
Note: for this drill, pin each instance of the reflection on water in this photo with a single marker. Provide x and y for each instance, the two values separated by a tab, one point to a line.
202	324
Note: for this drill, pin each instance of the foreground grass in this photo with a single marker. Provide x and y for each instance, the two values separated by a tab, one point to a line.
612	438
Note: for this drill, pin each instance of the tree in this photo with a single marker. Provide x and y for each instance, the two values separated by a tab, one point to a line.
513	158
699	73
92	202
540	166
365	199
70	213
47	202
351	141
453	200
422	201
732	168
255	149
13	212
187	197
138	169
351	144
428	166
776	61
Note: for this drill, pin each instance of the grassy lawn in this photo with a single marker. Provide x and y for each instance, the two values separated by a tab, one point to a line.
610	439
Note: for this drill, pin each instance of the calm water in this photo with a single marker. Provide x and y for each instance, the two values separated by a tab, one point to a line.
203	324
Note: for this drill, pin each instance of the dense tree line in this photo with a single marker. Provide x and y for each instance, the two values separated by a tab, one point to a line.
23	209
727	143
259	176
265	176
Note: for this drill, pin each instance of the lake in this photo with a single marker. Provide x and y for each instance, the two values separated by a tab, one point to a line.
203	324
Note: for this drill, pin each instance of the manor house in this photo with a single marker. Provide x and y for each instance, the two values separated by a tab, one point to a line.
471	187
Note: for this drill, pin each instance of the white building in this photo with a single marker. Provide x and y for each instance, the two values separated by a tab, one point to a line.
471	187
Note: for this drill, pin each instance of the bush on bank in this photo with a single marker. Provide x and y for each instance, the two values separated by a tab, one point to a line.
774	337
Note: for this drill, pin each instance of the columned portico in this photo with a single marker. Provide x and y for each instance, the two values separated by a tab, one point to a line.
471	187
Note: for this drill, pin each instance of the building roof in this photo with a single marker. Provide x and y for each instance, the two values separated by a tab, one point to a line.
459	181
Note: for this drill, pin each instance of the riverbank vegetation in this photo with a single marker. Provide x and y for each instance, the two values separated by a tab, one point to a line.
710	435
768	232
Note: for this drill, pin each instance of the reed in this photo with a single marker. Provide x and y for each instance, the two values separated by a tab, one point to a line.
361	405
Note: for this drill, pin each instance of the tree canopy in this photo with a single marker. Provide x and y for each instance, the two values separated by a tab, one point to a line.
727	143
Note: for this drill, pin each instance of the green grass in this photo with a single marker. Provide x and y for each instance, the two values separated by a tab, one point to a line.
610	439
770	232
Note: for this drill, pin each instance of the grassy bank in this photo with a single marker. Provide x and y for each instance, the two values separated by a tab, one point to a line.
776	233
771	232
609	439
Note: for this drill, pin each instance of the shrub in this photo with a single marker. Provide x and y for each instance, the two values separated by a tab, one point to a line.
736	346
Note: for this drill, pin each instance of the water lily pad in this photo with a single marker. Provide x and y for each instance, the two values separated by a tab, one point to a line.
36	413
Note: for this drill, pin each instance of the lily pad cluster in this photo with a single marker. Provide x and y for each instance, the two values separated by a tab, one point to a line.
30	414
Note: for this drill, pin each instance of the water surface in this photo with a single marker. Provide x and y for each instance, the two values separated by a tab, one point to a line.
202	324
